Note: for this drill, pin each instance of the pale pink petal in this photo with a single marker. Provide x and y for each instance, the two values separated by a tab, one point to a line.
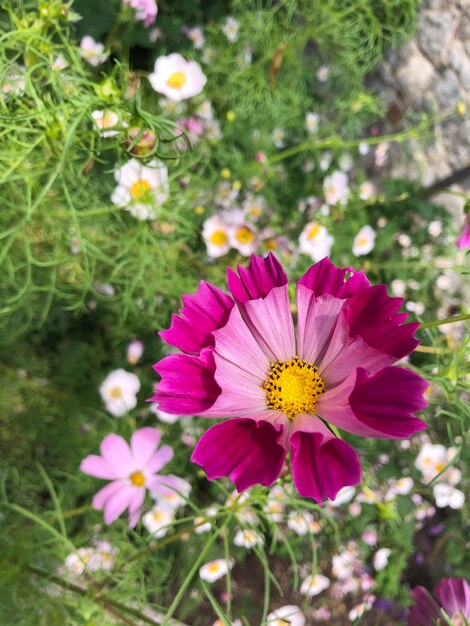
270	321
235	343
165	484
144	442
241	393
96	466
117	454
119	502
104	494
135	508
316	322
158	460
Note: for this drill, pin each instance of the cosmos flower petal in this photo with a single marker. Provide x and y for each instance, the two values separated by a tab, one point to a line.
160	458
135	508
262	275
270	321
165	484
333	406
103	495
96	466
454	596
236	344
203	312
374	316
119	501
187	383
241	392
322	464
246	451
387	401
316	322
324	277
344	354
144	443
425	611
117	454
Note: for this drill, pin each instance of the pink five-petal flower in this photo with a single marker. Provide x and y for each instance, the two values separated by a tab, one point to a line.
278	386
132	469
453	595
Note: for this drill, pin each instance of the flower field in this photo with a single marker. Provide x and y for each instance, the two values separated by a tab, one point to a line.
233	320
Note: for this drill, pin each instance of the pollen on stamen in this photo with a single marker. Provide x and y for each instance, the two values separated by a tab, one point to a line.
293	387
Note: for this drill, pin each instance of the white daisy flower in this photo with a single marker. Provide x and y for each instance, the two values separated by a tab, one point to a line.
119	392
214	570
230	29
315	241
141	188
314	585
364	241
176	78
158	521
288	615
92	51
216	236
248	538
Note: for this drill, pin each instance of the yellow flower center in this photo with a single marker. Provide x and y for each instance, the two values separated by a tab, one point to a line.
176	80
115	393
244	235
314	231
293	387
139	188
214	567
362	241
137	479
270	244
218	238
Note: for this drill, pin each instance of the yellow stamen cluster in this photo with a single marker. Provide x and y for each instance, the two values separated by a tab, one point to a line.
140	188
137	479
176	80
293	387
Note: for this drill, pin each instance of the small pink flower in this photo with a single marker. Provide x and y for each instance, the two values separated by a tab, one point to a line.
132	469
145	10
243	360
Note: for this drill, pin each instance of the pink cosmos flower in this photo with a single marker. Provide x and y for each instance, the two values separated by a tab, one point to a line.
145	10
132	469
464	240
453	595
243	360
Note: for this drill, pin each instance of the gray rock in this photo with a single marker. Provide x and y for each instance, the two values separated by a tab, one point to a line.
459	61
456	135
447	90
435	33
415	74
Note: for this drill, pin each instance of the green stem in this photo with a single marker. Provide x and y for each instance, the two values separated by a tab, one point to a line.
102	600
446	320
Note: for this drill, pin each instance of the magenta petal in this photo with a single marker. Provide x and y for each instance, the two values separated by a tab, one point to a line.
324	277
322	465
96	466
374	316
202	312
425	611
262	275
464	239
387	401
454	596
246	451
144	442
187	383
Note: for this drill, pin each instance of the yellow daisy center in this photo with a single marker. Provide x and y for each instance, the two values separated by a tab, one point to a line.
218	238
293	387
176	80
115	393
213	567
140	188
362	241
314	231
137	479
244	235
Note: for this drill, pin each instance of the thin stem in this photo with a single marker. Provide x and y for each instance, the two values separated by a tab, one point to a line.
446	320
